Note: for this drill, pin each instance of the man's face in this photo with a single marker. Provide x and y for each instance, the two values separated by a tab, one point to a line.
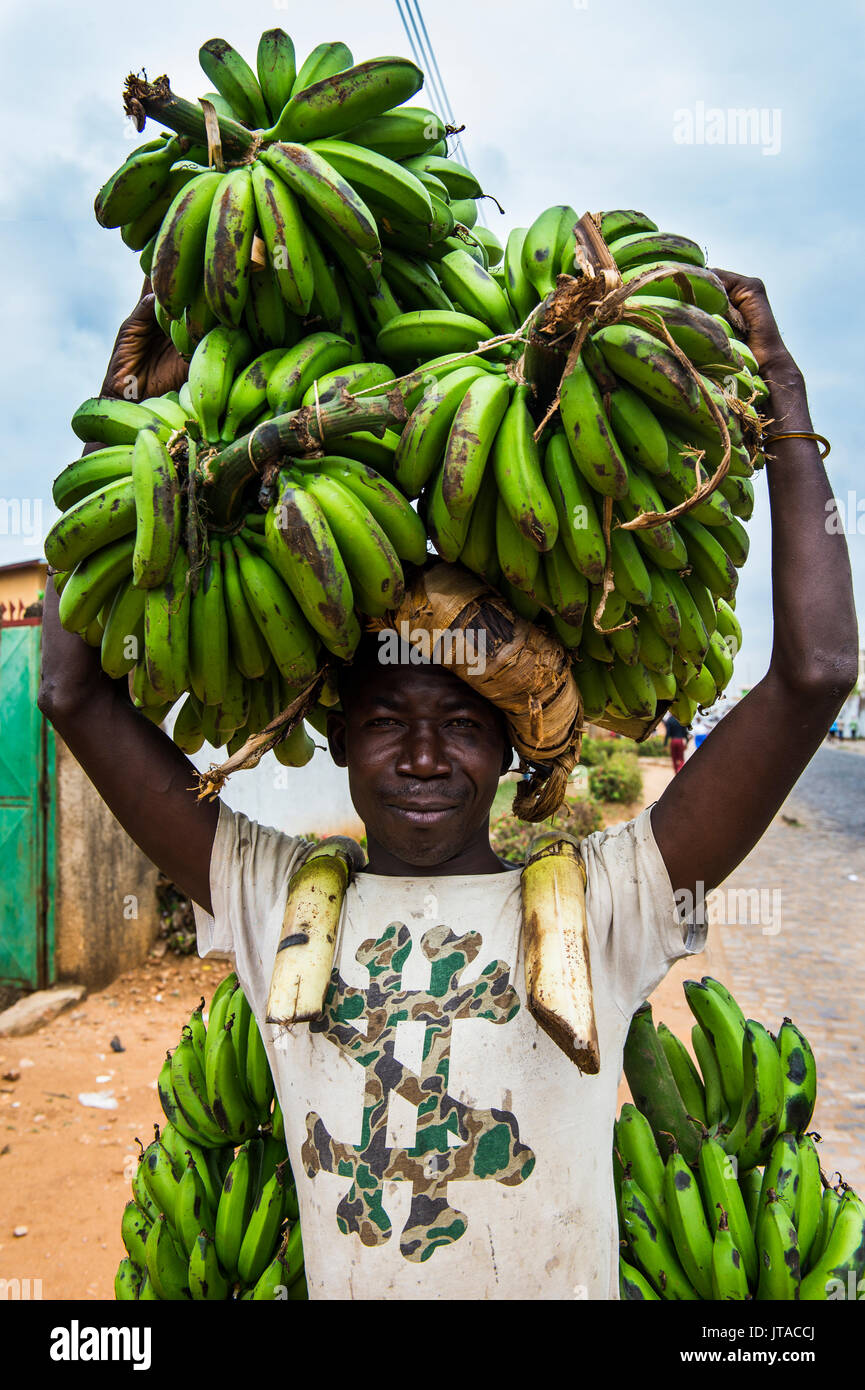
424	757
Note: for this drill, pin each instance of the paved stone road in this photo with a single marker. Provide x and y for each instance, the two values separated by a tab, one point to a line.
800	949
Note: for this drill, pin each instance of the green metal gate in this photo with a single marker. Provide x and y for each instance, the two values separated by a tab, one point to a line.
26	814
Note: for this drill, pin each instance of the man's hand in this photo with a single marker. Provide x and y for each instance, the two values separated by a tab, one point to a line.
764	336
144	362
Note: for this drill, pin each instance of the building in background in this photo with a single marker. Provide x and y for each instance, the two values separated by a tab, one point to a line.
21	585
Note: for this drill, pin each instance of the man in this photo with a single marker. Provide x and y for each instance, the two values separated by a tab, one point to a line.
676	735
443	1146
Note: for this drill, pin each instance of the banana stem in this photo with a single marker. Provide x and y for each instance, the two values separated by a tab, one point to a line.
156	100
304	431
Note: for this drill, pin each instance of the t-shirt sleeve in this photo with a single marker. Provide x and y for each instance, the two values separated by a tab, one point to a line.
632	910
250	866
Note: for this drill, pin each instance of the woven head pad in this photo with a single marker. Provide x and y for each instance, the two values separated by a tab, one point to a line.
523	670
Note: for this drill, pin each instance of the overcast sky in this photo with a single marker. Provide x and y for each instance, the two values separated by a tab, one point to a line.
564	101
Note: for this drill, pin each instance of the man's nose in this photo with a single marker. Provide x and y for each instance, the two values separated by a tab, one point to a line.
421	753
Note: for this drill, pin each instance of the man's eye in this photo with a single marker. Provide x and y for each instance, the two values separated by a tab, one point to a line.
382	722
463	723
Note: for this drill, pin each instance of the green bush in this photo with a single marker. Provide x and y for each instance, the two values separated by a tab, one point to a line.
510	838
651	748
595	751
585	816
619	779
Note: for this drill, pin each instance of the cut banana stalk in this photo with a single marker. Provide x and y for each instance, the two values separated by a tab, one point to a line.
304	958
556	945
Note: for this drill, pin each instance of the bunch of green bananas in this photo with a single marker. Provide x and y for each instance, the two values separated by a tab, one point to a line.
207	1222
240	629
326	168
719	1187
527	515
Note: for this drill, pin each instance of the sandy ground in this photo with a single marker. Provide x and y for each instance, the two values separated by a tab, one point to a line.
65	1168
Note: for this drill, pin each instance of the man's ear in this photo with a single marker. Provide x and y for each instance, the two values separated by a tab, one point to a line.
336	739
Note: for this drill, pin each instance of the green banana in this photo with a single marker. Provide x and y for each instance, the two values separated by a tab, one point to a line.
424	438
400	134
166	631
399	521
372	563
589	433
654	1089
778	1251
189	1094
276	68
646	364
279	619
127	1281
424	333
234	79
756	1126
259	1079
91	523
692	284
206	1278
844	1253
262	1229
639	247
719	1184
136	185
545	244
520	290
166	1266
177	264
156	491
111	421
652	1245
517	468
579	528
228	246
304	552
781	1173
724	1027
624	222
685	1074
285	237
799	1078
311	358
729	1280
91	473
635	1142
208	631
346	98
688	1225
519	559
214	365
639	434
809	1198
249	650
193	1213
326	193
474	290
324	60
226	1089
93	581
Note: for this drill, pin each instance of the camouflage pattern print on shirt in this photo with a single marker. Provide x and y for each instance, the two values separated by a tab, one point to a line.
490	1146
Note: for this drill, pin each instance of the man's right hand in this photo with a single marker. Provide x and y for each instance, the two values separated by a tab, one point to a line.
143	361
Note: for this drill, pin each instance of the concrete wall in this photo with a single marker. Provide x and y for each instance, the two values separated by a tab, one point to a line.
105	912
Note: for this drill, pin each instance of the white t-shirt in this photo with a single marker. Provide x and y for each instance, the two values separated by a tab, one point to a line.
443	1146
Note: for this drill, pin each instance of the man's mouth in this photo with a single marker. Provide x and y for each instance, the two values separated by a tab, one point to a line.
423	813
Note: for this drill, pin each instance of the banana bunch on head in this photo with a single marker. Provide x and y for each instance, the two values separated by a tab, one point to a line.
292	194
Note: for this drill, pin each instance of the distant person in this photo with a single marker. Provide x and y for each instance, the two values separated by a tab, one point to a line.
700	729
676	736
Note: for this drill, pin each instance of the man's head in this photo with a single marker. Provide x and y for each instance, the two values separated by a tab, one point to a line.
424	755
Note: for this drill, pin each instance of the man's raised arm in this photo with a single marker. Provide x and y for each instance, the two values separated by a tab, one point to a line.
137	769
717	808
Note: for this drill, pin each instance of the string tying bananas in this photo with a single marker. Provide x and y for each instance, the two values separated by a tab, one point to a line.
214	1212
719	1186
